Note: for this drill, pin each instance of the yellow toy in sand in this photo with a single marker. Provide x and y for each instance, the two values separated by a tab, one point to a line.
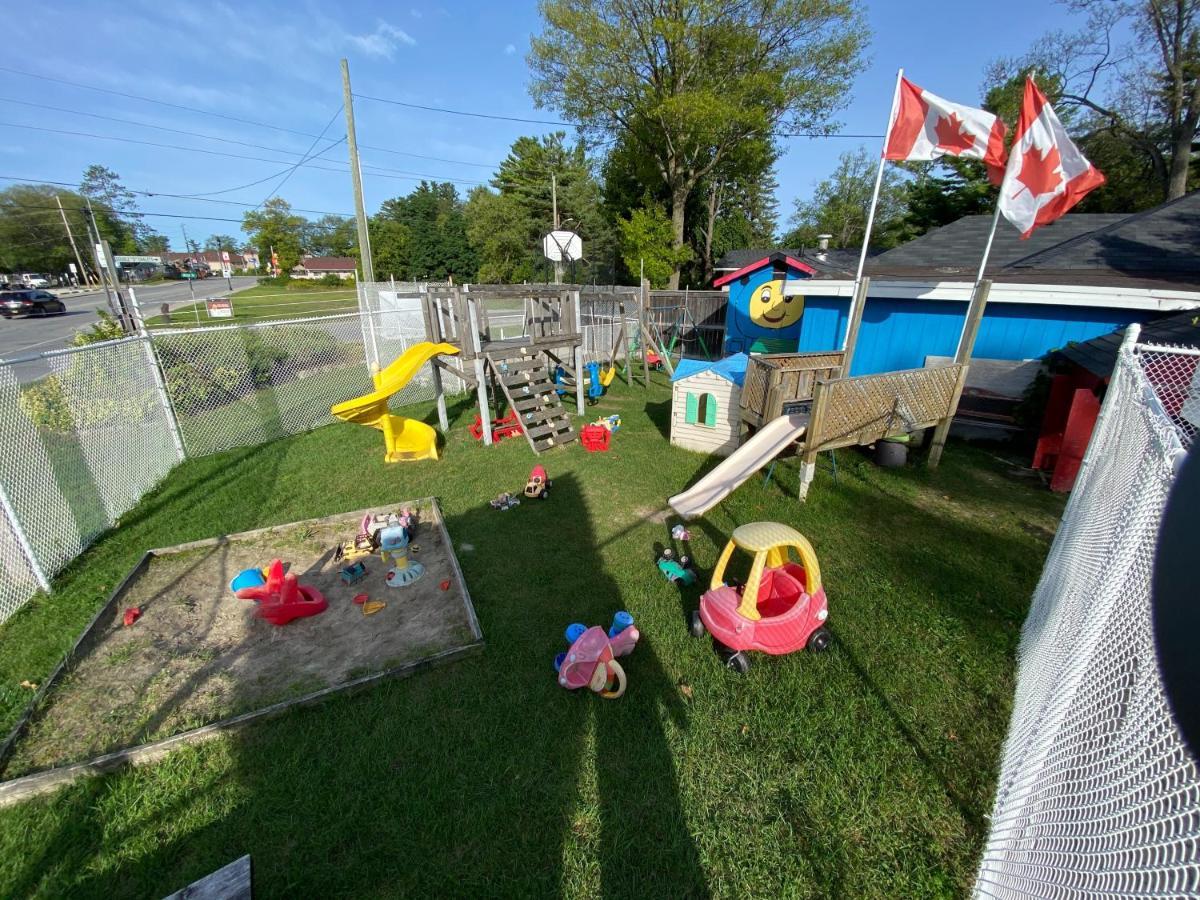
405	439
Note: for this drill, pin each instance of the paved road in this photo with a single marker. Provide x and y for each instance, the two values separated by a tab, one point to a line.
21	337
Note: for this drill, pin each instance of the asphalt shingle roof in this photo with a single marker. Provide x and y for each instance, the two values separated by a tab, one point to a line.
1099	355
955	249
1162	243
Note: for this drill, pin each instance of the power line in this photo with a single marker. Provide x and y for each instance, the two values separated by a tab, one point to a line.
459	112
205	112
379	170
90	87
303	159
160	215
193	197
134	122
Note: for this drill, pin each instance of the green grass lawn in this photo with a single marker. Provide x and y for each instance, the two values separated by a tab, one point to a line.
864	771
269	301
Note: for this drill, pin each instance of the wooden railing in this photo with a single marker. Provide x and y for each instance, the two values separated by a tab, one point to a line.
861	410
775	381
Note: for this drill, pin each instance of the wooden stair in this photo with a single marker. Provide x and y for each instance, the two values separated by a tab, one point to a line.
530	390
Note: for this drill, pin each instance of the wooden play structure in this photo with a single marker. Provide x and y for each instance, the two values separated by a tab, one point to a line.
478	321
781	383
843	411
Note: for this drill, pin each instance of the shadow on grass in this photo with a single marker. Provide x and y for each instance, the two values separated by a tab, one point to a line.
484	778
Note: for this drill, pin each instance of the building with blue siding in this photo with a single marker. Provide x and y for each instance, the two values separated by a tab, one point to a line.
1081	277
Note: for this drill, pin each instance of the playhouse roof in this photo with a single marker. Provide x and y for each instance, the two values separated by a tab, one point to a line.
776	258
731	368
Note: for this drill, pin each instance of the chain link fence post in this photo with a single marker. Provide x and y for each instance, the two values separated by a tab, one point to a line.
160	381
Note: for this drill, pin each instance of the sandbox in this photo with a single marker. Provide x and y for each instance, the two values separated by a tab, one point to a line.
198	661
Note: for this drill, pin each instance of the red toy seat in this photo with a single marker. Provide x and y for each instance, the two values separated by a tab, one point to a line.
595	438
780	589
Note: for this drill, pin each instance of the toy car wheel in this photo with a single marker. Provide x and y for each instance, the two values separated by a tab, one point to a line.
819	639
739	662
545	495
697	624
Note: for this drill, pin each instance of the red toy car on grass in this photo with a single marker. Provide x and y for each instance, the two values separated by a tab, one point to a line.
782	606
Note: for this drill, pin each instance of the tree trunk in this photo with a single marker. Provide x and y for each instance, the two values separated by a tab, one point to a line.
1181	157
714	205
679	195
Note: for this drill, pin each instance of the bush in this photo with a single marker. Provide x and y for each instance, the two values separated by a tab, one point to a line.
282	281
44	403
107	329
331	280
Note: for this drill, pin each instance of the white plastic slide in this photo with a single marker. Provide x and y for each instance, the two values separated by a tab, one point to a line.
767	443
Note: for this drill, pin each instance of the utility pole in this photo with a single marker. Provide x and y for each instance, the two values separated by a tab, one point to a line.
94	238
107	267
558	266
360	207
71	238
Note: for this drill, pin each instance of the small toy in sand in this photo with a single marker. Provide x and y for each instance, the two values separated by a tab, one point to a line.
393	548
370	607
132	614
282	598
590	661
504	501
353	573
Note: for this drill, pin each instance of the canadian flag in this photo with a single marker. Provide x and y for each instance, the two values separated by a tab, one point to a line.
1046	173
925	126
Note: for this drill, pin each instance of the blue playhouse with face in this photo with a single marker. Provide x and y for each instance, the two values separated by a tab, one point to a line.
762	318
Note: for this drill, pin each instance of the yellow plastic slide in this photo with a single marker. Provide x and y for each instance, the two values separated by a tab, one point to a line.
405	439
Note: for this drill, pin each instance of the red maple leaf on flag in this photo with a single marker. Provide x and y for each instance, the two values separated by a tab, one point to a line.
951	137
1040	173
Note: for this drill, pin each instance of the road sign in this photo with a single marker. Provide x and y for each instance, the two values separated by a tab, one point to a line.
219	307
562	246
134	260
225	257
226	269
72	269
190	276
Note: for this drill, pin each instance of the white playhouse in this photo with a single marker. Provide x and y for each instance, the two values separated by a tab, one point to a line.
706	401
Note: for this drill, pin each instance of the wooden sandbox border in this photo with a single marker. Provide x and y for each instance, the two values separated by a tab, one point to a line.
16	790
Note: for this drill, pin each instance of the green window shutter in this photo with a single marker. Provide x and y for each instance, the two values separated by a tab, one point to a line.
691	415
710	411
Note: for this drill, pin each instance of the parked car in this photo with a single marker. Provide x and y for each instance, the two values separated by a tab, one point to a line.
35	281
30	303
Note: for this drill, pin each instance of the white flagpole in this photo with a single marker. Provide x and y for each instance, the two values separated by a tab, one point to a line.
862	257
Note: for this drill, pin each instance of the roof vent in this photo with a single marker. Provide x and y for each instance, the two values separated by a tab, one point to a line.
822	245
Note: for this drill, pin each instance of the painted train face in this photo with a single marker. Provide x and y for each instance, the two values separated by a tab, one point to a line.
769	308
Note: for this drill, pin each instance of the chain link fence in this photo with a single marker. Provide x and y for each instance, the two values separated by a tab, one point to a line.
1174	374
1097	792
84	435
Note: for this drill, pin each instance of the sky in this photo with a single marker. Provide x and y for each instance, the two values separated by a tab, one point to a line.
277	64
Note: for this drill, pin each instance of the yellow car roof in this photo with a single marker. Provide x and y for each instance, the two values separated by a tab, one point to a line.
759	536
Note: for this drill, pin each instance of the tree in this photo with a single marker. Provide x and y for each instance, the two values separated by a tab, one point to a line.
840	204
331	235
506	227
691	82
155	244
738	209
219	242
115	209
648	245
32	236
434	231
1137	101
275	227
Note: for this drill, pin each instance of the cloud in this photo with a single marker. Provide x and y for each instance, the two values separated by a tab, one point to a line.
383	41
415	13
510	49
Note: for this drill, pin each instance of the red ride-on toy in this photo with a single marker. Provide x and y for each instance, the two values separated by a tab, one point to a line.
781	607
538	486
